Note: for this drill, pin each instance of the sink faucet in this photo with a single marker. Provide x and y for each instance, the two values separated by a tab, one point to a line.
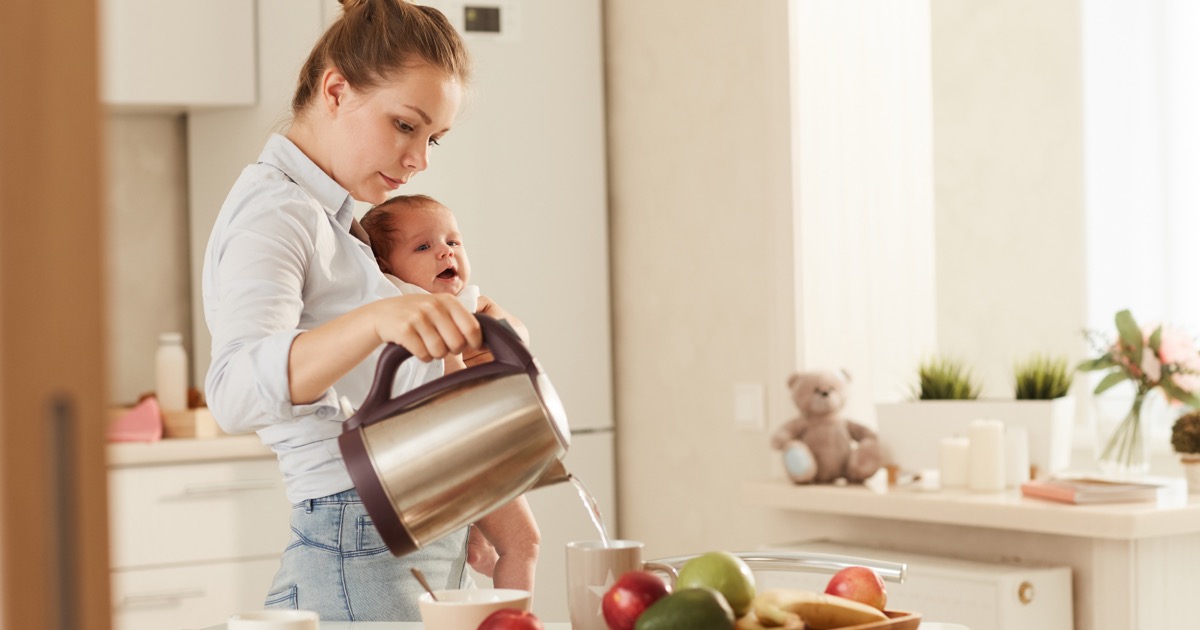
797	561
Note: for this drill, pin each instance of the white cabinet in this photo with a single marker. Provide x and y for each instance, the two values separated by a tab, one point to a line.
178	53
193	540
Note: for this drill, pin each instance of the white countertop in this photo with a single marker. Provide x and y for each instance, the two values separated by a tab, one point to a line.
388	625
408	625
1174	513
180	450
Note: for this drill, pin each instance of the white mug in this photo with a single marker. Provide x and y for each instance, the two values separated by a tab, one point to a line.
274	620
591	570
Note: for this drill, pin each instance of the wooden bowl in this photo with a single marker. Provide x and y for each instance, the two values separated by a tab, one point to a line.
899	620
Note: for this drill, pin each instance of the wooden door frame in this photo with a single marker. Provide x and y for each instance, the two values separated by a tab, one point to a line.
53	497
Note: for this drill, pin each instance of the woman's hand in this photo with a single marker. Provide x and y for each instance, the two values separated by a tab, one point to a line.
428	326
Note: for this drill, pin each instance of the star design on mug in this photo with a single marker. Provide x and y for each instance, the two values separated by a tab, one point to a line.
600	589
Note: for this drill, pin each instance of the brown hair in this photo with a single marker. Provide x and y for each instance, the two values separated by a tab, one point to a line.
380	221
376	38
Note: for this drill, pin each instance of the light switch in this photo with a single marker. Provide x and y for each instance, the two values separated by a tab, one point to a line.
748	403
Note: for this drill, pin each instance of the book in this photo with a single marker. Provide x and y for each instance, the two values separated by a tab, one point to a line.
1084	490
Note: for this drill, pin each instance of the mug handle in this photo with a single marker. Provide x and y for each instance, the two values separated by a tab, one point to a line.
660	567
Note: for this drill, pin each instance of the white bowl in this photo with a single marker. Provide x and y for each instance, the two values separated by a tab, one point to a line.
466	609
275	620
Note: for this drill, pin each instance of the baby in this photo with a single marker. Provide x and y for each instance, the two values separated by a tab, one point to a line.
417	244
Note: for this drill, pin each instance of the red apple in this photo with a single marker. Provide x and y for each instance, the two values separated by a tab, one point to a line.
631	594
859	584
511	619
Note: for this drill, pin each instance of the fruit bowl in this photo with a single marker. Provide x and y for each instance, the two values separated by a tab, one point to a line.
899	620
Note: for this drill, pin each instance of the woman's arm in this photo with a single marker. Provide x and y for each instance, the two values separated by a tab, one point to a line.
428	326
515	535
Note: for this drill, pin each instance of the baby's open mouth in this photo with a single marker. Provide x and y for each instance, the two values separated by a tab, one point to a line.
449	273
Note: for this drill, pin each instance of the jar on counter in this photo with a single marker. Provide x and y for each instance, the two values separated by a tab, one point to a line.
171	373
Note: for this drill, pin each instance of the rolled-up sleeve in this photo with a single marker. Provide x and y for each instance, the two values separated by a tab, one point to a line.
254	291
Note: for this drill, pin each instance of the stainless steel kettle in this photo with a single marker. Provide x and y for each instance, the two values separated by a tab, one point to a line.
447	453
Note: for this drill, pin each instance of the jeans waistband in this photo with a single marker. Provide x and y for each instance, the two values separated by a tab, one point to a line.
345	496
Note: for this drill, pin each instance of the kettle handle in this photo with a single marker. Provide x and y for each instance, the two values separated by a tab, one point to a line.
507	349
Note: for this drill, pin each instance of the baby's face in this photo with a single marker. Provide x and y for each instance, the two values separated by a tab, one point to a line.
429	251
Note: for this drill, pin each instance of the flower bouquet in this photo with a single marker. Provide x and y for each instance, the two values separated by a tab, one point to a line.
1160	357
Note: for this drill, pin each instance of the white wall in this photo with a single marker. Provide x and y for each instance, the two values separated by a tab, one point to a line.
701	229
1008	164
863	193
717	280
147	234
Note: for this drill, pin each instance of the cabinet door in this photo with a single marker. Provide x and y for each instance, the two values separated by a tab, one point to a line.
194	596
177	53
197	513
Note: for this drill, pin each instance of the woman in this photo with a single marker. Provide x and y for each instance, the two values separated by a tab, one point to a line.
299	310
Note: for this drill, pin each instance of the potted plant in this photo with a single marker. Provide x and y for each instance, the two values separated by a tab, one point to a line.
941	378
1042	378
946	400
1185	439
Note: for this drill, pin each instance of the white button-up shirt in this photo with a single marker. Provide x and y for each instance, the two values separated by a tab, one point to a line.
281	260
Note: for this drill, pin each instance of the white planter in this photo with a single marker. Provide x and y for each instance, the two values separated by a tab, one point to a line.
1191	471
910	432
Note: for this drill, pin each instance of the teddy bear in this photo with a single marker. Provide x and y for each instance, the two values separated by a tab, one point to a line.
820	446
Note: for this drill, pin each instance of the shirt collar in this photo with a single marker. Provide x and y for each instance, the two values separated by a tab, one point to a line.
287	157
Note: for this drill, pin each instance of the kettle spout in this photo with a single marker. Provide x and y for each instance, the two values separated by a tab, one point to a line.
556	473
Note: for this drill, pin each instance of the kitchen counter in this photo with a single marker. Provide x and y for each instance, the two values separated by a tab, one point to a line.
1134	564
380	625
1174	513
387	625
182	450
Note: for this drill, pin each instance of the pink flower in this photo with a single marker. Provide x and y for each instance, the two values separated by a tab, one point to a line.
1176	346
1187	381
1151	366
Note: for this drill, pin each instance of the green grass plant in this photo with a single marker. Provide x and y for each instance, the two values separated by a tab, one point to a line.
1042	377
942	378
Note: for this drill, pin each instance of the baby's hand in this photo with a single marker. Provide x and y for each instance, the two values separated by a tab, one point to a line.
481	555
490	308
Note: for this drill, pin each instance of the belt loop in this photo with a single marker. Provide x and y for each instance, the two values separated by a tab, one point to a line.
308	506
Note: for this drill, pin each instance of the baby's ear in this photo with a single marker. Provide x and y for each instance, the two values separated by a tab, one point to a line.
383	266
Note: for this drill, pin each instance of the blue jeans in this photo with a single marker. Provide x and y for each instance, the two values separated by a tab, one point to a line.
337	565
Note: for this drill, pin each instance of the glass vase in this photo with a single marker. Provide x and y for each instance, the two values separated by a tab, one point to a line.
1122	449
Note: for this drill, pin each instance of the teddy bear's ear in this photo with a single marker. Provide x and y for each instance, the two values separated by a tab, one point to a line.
794	378
846	375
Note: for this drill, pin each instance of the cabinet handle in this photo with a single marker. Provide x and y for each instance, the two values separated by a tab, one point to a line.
142	600
225	487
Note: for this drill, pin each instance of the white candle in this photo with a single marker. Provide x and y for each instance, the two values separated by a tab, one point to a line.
952	459
1016	456
985	472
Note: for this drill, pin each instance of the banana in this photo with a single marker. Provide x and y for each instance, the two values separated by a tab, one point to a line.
750	621
819	611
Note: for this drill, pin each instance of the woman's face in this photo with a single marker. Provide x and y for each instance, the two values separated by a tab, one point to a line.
382	138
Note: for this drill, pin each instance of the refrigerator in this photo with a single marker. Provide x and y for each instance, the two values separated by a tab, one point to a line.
524	171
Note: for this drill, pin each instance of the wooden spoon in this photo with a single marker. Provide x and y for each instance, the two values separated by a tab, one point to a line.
421	578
